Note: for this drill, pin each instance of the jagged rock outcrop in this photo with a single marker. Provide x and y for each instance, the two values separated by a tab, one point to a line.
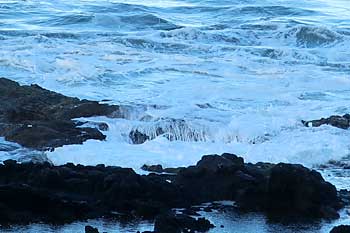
42	192
40	119
342	122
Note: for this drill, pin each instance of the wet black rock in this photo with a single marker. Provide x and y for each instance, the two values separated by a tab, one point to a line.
159	169
178	223
342	122
137	137
190	212
295	191
37	118
153	168
207	209
90	229
99	125
283	191
45	193
200	182
173	170
341	229
216	162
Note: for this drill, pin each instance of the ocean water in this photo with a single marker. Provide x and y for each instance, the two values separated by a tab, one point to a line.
218	76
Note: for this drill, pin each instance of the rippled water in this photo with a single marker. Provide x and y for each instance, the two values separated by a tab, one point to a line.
240	73
233	223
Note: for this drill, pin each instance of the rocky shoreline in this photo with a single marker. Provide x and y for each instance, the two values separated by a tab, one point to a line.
43	120
59	194
342	122
41	192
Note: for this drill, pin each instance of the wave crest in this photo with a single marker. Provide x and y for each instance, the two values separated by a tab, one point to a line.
313	36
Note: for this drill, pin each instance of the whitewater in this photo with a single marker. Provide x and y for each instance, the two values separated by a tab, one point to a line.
218	76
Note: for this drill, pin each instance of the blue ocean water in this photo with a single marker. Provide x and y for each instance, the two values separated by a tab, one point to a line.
219	76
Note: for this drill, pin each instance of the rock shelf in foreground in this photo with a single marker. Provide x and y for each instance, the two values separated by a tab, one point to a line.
43	120
42	192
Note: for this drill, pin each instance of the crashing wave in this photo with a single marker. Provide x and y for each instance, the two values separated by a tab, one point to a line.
311	36
172	129
193	34
181	130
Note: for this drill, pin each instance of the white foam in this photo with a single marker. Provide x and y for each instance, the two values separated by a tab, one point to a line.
241	84
291	145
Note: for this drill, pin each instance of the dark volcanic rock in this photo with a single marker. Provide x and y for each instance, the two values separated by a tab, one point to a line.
200	182
173	170
341	229
42	192
159	169
342	122
153	168
90	229
190	211
294	191
217	162
137	137
178	223
284	191
42	119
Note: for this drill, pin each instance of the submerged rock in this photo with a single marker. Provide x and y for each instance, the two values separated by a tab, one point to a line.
171	129
178	223
40	119
45	193
137	137
342	122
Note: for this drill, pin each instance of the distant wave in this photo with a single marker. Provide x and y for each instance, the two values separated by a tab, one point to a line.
193	34
63	20
273	11
311	36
